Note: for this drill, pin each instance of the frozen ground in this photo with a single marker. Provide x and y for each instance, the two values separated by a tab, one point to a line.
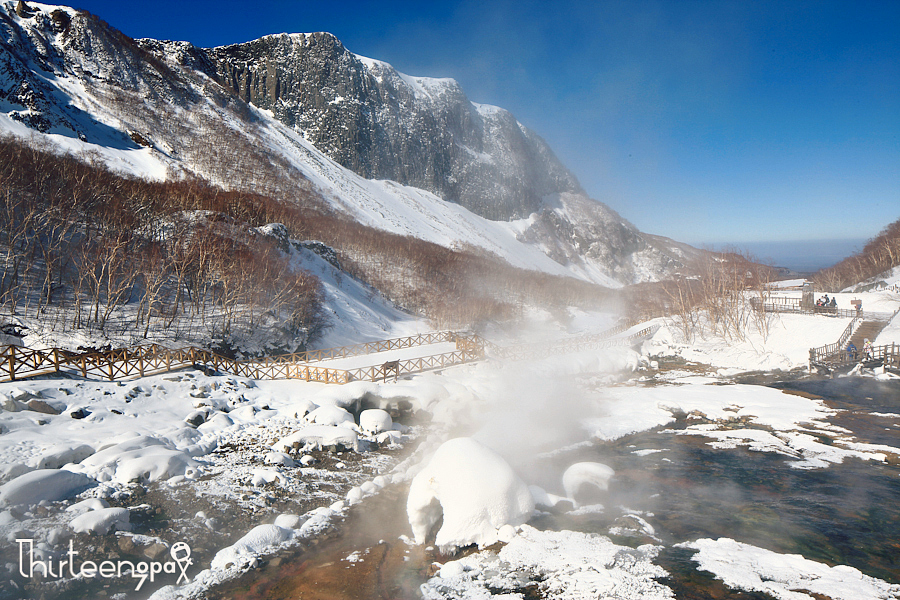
785	346
237	469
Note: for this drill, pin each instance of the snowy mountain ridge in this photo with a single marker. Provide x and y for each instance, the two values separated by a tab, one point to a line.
167	109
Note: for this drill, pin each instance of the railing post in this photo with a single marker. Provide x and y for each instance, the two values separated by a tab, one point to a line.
12	362
56	358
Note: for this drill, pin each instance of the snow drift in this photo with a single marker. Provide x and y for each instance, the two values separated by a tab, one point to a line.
474	488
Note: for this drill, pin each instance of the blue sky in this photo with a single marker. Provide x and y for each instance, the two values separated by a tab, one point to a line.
705	121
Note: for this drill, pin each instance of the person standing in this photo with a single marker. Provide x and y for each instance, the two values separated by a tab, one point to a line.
867	349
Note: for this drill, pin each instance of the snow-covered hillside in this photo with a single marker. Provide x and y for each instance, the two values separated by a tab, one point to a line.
152	109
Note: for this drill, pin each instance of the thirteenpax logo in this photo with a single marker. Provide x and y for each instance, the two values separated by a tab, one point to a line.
180	553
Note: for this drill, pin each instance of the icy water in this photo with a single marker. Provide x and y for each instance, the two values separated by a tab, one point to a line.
846	514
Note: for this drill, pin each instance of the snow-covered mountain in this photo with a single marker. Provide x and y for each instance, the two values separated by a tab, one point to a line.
301	118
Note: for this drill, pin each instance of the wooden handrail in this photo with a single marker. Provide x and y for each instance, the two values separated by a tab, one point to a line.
149	359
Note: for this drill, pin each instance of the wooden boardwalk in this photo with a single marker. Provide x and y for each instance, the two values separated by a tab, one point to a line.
19	363
150	359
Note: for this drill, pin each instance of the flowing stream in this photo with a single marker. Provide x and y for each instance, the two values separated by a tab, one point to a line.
845	514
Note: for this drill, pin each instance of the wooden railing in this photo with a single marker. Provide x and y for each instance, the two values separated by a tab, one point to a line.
828	352
150	359
835	354
888	355
793	305
415	365
19	363
422	339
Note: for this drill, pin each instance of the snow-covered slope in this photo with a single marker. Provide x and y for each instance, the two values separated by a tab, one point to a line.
155	109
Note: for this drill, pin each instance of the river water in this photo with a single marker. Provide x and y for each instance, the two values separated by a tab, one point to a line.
845	514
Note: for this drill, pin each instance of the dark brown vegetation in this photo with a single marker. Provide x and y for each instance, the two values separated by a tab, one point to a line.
712	295
87	248
81	244
880	254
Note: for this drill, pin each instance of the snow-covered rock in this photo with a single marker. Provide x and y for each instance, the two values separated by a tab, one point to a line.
543	498
476	491
375	420
744	567
290	521
61	454
141	458
43	484
263	476
329	415
566	565
216	422
586	473
102	521
318	436
279	458
88	505
245	551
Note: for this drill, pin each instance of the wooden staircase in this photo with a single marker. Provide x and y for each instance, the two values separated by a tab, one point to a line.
866	329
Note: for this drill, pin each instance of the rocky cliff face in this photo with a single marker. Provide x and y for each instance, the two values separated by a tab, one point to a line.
183	109
382	124
425	132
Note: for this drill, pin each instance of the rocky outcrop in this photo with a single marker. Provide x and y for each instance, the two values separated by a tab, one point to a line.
425	132
385	125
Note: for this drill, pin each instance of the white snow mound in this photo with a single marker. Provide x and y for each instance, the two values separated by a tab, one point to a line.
101	521
474	487
784	576
43	484
262	538
318	436
375	420
586	473
139	458
329	415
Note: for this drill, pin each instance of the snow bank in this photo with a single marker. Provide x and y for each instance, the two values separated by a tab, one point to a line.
43	484
261	538
61	454
785	347
141	458
759	418
476	490
784	576
890	334
565	565
102	521
318	436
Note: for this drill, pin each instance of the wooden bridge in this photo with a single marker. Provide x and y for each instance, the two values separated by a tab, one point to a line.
150	359
19	363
